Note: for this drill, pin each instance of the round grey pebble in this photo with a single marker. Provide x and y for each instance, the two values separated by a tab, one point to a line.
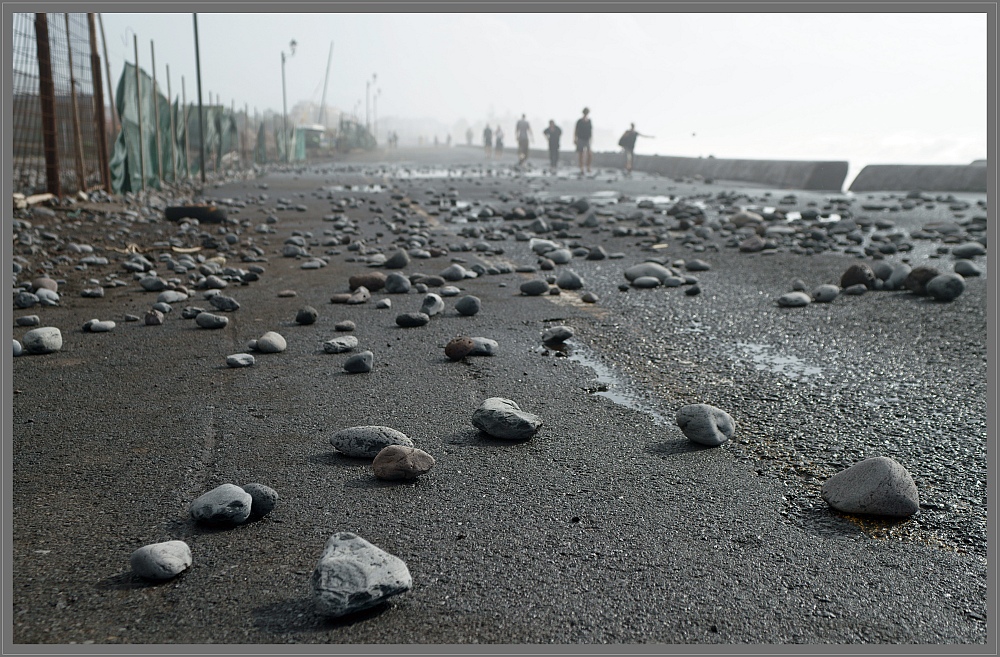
794	300
154	317
557	334
856	289
412	320
263	500
569	280
18	349
271	343
705	424
210	321
306	315
534	288
589	297
161	561
28	320
468	305
646	282
877	486
227	504
503	418
361	363
240	360
367	441
162	307
946	287
44	340
967	268
346	325
825	293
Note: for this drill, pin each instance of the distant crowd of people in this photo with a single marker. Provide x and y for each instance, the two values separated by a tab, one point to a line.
583	134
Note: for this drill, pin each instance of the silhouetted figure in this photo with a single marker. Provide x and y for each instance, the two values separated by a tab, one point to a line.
488	141
498	137
447	141
468	137
627	142
554	133
523	133
581	137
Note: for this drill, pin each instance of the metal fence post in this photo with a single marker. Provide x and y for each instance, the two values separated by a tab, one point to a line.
99	115
47	94
81	174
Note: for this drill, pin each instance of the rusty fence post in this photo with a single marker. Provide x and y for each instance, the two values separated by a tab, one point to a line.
47	96
99	116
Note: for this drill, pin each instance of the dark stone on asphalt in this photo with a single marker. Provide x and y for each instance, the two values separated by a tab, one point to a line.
397	462
360	363
534	288
367	441
946	287
859	273
459	348
917	280
412	320
225	505
503	418
705	424
306	315
877	486
263	500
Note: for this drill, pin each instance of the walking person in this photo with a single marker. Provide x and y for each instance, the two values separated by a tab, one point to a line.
627	142
553	133
488	141
468	137
581	138
523	132
498	136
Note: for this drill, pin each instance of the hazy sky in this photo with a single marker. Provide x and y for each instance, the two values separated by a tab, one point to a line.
868	88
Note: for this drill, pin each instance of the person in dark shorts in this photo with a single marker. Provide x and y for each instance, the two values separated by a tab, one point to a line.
498	136
488	141
554	133
627	142
523	132
581	138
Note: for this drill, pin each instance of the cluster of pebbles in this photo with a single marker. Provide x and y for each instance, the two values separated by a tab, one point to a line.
352	574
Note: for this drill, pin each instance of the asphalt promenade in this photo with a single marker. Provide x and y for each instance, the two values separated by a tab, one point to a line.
607	527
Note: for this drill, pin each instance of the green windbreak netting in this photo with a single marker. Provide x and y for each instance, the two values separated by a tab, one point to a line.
169	161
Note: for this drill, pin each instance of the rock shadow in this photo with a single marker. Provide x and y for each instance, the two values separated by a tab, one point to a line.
340	460
129	581
300	615
676	447
473	437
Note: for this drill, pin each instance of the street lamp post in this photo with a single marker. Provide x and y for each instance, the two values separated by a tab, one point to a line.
368	86
375	113
284	99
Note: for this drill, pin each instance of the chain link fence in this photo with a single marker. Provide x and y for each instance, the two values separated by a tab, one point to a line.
57	105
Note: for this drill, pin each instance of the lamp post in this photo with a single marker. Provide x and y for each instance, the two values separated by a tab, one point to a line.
284	99
368	86
375	113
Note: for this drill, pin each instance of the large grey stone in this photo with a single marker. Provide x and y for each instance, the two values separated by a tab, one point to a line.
396	283
569	280
705	424
44	340
271	343
946	287
367	441
877	486
227	504
360	363
653	269
794	300
503	418
968	250
161	561
534	287
353	575
263	500
468	305
210	321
